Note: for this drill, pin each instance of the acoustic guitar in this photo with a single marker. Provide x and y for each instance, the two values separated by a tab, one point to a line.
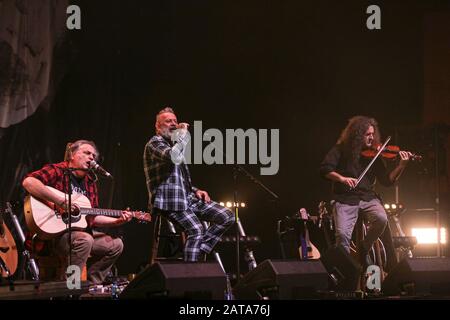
306	250
8	250
43	218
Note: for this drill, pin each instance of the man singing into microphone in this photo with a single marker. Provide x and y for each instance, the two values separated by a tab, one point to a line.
103	248
171	193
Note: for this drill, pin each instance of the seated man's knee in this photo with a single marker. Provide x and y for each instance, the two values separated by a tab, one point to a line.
382	219
230	220
82	241
117	247
343	236
196	232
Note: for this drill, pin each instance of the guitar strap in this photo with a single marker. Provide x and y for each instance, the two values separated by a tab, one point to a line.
302	238
304	247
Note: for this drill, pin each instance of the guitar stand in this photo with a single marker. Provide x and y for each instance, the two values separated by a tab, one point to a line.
31	263
3	267
8	274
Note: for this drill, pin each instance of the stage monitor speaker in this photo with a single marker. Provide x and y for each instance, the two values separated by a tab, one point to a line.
282	280
179	280
419	276
344	270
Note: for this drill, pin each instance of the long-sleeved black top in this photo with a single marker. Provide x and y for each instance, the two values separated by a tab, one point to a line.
337	161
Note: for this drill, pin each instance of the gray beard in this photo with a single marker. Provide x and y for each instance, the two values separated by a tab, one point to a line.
166	134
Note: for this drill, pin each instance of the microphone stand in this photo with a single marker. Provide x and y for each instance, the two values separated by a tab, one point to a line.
68	186
236	169
236	219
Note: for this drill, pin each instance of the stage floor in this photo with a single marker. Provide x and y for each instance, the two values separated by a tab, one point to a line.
57	290
30	290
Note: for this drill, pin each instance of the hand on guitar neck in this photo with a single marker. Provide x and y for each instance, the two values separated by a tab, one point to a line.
99	220
42	218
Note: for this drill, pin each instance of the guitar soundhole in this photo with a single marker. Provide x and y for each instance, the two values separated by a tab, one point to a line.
76	216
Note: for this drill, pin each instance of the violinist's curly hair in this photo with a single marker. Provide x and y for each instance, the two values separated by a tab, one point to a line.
352	137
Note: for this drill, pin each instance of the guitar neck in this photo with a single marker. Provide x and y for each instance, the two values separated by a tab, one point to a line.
101	212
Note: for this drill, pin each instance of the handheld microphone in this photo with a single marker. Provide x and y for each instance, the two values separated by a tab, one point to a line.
95	166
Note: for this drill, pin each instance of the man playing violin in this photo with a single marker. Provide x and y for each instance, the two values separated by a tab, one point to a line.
343	165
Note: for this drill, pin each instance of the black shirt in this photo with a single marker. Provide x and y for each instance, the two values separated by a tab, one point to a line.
337	161
78	185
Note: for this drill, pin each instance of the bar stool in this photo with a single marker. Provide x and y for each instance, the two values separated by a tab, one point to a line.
171	233
160	232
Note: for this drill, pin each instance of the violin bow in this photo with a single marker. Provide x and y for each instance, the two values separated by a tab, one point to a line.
371	162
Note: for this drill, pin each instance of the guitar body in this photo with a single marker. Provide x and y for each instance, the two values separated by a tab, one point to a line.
312	251
42	219
8	250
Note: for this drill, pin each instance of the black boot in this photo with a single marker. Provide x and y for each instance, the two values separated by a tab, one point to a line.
363	256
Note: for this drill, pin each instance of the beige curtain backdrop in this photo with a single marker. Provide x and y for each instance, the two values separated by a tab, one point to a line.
29	31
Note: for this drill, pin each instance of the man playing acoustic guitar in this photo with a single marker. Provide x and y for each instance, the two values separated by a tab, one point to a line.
103	248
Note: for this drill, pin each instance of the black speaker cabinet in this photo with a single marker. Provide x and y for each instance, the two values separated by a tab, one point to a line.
344	270
419	276
282	280
181	280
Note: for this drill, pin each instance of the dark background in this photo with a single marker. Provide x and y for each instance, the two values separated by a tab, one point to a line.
300	66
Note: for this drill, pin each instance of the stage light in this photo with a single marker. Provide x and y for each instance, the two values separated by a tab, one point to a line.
394	208
429	235
230	204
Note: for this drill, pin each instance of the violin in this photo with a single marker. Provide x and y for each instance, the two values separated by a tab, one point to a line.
389	153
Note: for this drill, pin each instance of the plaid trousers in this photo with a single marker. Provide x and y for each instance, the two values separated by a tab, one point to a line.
198	240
